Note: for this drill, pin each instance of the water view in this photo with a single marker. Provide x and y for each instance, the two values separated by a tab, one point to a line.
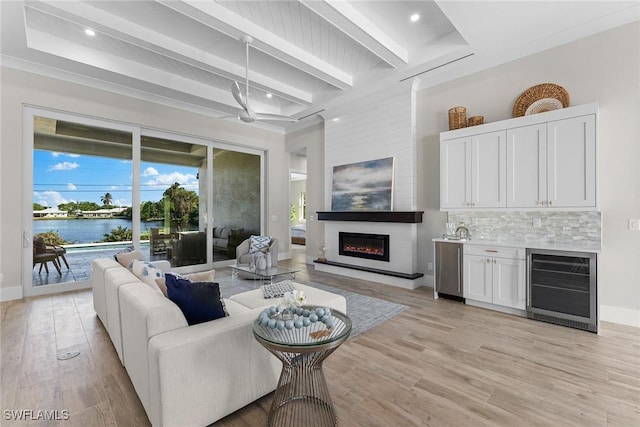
87	230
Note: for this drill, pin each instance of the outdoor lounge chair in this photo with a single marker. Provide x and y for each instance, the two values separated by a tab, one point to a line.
42	256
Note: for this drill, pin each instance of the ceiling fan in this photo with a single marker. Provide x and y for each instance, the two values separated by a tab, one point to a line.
247	115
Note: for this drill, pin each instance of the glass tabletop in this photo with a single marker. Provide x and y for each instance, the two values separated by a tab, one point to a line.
315	334
266	272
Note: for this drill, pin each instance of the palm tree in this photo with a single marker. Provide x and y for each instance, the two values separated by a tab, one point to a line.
106	199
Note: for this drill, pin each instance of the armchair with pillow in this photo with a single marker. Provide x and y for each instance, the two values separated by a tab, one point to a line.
246	250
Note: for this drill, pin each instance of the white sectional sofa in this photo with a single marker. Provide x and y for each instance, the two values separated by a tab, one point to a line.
188	375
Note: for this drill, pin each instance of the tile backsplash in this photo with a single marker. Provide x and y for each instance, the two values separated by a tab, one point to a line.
565	226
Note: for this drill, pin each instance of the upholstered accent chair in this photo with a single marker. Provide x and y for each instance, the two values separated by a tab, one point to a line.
244	257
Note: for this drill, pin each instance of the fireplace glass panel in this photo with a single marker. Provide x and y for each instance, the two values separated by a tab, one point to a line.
362	245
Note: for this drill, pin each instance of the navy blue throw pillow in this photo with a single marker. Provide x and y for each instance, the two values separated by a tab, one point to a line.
199	301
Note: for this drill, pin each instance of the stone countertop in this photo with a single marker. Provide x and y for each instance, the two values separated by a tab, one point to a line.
573	246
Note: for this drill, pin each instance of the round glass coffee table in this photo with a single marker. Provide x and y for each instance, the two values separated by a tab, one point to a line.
302	397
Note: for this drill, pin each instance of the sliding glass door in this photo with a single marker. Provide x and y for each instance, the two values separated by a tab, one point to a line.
80	182
173	195
99	187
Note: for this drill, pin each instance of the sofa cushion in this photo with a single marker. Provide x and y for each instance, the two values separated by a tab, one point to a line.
225	233
199	301
203	276
259	243
217	231
126	258
147	272
234	308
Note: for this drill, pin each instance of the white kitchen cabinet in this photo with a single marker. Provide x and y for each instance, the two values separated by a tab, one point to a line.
571	162
527	166
473	171
477	278
488	170
552	165
495	276
455	173
540	161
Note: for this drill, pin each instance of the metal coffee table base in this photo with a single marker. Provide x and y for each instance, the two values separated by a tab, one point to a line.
302	397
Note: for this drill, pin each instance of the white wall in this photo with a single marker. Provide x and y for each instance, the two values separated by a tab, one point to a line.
21	88
311	139
604	68
379	126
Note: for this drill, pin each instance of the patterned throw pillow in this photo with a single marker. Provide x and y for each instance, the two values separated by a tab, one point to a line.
259	243
147	272
277	290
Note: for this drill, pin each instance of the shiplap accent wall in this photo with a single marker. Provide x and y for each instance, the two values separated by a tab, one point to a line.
377	127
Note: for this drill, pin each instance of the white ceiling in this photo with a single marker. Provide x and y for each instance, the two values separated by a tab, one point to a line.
310	55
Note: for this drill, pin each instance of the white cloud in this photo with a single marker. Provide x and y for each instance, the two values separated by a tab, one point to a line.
70	186
150	171
49	198
186	180
64	166
57	154
121	203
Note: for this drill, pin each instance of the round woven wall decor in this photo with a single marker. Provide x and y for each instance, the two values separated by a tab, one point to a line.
538	92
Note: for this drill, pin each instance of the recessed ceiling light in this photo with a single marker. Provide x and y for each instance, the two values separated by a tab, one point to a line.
414	17
89	32
269	95
336	119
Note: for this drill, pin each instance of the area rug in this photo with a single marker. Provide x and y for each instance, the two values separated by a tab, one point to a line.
365	312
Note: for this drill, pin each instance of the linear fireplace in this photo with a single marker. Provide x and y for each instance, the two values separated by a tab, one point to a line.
364	245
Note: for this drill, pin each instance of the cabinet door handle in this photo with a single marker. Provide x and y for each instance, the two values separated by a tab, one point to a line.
491	250
550	202
494	261
459	271
488	260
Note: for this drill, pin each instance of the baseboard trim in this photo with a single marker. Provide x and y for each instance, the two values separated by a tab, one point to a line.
620	315
11	293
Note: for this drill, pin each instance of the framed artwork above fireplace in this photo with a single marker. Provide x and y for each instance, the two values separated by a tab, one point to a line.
363	186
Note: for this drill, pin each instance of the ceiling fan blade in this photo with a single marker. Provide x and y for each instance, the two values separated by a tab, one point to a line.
240	99
247	116
275	117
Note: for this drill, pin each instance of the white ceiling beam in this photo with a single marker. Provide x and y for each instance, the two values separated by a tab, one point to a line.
154	41
53	45
351	22
227	22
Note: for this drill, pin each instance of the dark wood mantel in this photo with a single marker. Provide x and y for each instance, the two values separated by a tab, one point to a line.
408	217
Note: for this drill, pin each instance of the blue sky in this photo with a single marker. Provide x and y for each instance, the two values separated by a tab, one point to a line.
62	178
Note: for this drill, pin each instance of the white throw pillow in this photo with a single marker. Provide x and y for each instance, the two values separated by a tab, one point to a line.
148	273
126	258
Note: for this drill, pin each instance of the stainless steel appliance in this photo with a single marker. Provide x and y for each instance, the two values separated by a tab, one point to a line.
561	288
449	269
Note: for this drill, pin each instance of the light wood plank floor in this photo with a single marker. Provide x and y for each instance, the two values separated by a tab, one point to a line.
439	363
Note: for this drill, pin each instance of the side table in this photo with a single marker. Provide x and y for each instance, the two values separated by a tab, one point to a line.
302	396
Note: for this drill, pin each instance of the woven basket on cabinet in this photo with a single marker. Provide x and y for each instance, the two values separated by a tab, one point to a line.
457	118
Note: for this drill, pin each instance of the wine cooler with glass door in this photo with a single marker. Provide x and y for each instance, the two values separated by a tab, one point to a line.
561	288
